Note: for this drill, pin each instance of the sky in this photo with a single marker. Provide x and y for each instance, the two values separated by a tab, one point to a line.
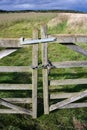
78	5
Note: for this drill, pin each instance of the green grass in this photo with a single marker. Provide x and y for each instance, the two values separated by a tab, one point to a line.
21	24
57	120
60	28
19	58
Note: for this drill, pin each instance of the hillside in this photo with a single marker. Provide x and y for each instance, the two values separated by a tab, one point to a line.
69	23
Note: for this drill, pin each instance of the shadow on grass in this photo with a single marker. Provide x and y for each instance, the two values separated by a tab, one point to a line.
15	78
69	88
68	75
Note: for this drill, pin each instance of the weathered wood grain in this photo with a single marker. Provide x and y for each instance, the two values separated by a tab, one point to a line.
15	69
69	38
62	95
14	107
68	82
60	38
18	100
76	48
34	74
73	98
15	86
10	43
75	105
45	70
11	111
6	52
69	64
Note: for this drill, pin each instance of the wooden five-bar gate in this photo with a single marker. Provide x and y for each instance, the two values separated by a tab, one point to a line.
69	98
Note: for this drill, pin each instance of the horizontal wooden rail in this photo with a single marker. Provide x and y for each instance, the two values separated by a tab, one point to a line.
60	38
15	69
11	111
70	38
18	43
68	82
18	100
62	95
15	86
70	64
75	105
10	42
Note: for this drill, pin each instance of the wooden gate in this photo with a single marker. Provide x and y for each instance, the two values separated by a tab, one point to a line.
10	102
69	98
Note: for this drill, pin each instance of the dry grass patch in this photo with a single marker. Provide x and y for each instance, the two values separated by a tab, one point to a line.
61	17
74	22
77	20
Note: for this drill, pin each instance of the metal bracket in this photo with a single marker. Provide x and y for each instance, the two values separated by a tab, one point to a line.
29	42
48	66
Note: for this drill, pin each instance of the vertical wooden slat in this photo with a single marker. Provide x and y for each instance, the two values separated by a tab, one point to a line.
45	70
34	74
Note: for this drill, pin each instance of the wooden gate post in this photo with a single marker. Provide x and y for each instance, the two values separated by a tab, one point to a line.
45	70
34	74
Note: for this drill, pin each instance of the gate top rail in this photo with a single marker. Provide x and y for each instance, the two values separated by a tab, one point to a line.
10	42
60	38
70	38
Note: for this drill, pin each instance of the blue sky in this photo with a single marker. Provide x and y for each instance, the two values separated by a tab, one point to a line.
80	5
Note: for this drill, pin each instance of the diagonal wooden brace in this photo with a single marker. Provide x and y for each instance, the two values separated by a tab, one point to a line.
75	97
76	48
14	107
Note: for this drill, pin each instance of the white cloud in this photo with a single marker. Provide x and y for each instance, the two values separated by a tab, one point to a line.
24	6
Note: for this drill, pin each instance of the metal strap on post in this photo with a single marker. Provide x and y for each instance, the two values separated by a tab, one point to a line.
36	41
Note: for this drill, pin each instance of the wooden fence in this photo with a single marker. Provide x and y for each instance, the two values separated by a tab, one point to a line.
69	98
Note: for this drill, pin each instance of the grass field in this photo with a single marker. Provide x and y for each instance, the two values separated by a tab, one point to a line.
22	24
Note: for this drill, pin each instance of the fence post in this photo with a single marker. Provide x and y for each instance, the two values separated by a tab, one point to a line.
34	74
45	70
